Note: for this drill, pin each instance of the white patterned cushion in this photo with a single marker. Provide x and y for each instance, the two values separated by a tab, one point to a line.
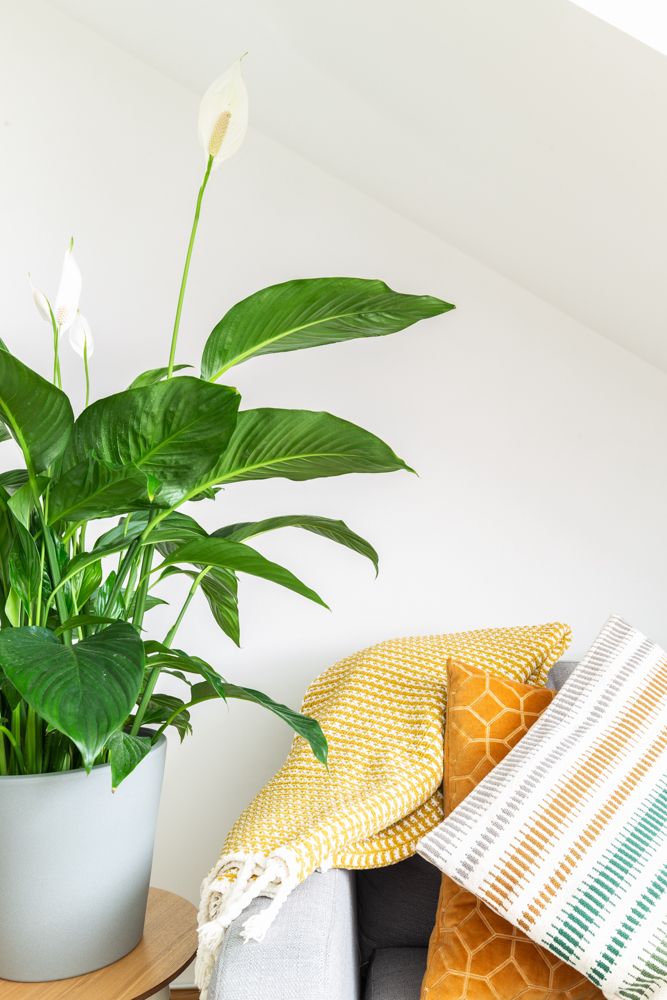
567	837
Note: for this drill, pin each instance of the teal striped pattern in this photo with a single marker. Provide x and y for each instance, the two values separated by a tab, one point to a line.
567	837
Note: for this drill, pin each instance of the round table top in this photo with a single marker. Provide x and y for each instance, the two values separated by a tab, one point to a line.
167	947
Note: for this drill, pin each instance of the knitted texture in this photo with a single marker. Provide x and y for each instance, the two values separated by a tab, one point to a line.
382	711
567	837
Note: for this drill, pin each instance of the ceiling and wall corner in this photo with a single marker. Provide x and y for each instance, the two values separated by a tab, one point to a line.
533	136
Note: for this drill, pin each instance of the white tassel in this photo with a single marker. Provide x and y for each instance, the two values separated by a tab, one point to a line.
258	924
222	902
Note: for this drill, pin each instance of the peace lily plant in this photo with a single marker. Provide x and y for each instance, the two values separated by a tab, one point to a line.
79	672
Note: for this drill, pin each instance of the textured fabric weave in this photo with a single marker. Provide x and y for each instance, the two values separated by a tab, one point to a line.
473	953
567	837
382	711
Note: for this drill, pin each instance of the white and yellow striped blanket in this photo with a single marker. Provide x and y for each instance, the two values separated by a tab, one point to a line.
382	711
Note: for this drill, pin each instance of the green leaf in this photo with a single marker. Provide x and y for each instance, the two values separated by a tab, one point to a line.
25	568
120	536
101	597
38	415
125	753
221	553
22	503
4	433
93	489
150	602
8	691
13	479
86	690
77	620
310	312
176	528
88	582
220	587
300	444
162	706
174	431
154	375
335	531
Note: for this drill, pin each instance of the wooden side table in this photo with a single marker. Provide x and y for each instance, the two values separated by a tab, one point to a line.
167	947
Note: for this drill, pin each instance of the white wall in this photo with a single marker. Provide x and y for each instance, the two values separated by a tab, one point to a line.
540	445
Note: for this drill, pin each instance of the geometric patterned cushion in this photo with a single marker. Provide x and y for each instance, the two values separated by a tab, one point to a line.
567	837
474	953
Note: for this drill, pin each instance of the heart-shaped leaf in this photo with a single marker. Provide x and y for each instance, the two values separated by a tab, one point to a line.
38	416
310	312
125	753
86	690
93	489
174	431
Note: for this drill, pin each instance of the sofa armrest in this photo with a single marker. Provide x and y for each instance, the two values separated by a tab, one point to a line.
309	953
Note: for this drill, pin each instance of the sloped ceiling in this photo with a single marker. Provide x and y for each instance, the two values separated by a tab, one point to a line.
533	136
643	19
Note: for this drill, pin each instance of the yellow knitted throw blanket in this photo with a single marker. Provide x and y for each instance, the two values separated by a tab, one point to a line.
382	711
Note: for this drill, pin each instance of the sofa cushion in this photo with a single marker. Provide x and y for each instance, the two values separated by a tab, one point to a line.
396	974
566	838
396	905
473	952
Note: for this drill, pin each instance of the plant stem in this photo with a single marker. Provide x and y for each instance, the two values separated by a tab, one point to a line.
54	568
124	567
57	380
186	269
15	747
169	638
85	368
142	589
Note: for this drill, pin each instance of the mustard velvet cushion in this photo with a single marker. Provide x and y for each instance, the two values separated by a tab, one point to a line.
474	953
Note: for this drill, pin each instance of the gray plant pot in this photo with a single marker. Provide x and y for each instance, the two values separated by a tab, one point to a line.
75	865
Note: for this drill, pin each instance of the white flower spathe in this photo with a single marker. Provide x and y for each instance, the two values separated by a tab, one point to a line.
41	302
223	115
68	295
80	336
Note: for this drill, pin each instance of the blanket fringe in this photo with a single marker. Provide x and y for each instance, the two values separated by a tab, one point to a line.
227	891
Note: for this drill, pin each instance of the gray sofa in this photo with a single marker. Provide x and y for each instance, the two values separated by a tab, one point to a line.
342	935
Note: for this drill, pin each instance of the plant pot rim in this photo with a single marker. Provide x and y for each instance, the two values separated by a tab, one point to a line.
161	740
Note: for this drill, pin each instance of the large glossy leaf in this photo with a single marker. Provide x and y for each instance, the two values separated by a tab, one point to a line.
300	444
310	312
335	531
221	553
38	416
173	431
93	489
85	690
125	753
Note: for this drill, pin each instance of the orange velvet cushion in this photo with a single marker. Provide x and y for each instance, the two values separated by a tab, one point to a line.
473	953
